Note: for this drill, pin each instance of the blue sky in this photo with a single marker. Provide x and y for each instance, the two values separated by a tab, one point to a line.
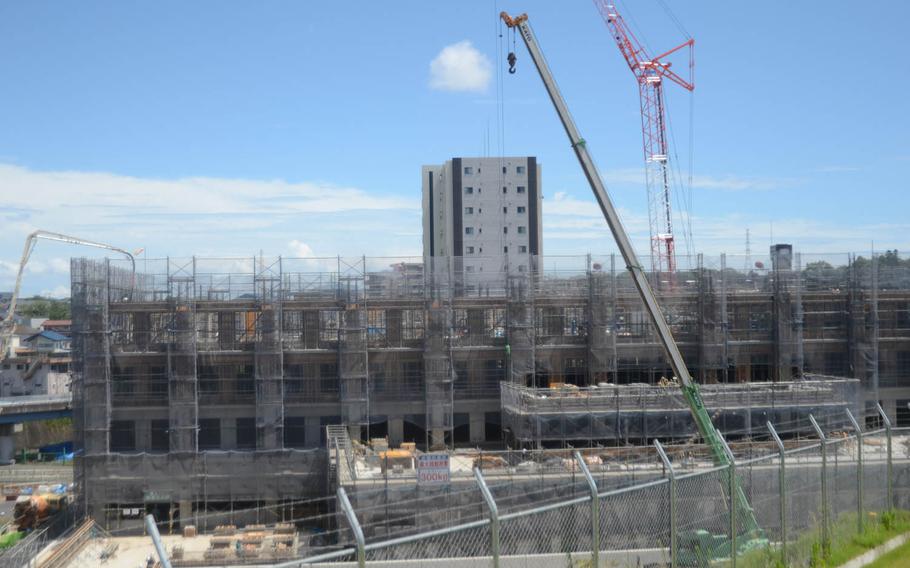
299	128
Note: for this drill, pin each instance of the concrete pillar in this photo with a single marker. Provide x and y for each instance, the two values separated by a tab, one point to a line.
228	434
185	510
477	427
354	431
143	435
396	431
437	439
313	431
7	445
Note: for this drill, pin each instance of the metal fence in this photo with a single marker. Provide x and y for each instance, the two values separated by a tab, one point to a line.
25	553
800	499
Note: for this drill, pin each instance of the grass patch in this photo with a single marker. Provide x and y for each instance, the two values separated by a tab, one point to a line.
846	543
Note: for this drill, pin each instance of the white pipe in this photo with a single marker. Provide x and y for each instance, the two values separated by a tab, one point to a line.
152	528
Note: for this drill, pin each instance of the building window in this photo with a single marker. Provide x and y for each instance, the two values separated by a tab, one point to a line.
902	412
469	190
469	230
522	230
123	436
521	209
246	433
469	268
503	169
521	268
328	377
520	169
468	210
505	210
505	230
468	170
522	248
469	250
209	433
160	436
328	325
505	249
521	189
294	432
504	189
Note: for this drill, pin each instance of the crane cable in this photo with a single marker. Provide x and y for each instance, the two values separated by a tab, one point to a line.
673	17
690	193
500	119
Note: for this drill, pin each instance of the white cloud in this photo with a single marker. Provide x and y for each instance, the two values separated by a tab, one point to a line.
300	249
100	195
461	67
209	216
58	292
59	265
105	206
721	182
739	183
836	169
573	225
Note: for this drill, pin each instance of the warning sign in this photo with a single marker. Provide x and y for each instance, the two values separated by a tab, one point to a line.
432	469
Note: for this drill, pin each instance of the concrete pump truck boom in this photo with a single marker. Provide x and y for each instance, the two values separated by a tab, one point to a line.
700	547
8	324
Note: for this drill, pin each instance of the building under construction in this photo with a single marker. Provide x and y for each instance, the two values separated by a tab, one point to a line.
205	385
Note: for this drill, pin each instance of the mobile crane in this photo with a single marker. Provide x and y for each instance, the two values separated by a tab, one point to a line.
8	324
700	547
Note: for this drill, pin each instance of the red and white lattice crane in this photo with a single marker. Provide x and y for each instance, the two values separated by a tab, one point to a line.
650	72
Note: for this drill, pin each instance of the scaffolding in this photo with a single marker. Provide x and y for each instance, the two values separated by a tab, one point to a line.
246	361
438	370
598	415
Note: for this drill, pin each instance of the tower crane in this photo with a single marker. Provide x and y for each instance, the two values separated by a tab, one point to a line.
650	73
7	325
704	545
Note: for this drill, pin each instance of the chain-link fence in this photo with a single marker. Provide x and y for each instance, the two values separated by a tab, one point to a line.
785	506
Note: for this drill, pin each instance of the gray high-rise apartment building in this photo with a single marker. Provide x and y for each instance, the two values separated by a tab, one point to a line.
486	210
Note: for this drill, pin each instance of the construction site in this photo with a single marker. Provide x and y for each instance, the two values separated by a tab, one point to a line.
207	386
500	408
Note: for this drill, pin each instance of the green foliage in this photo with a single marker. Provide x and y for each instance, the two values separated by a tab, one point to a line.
845	543
10	538
817	558
889	520
39	307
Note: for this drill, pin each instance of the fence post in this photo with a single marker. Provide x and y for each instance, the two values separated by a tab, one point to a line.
783	492
355	526
824	448
890	472
671	476
731	483
595	510
494	515
859	471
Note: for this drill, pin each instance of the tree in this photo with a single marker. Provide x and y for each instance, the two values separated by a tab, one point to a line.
38	307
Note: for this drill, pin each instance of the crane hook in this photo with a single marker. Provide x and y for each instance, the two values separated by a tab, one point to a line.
511	58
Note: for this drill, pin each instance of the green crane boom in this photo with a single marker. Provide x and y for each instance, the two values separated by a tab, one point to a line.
689	387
